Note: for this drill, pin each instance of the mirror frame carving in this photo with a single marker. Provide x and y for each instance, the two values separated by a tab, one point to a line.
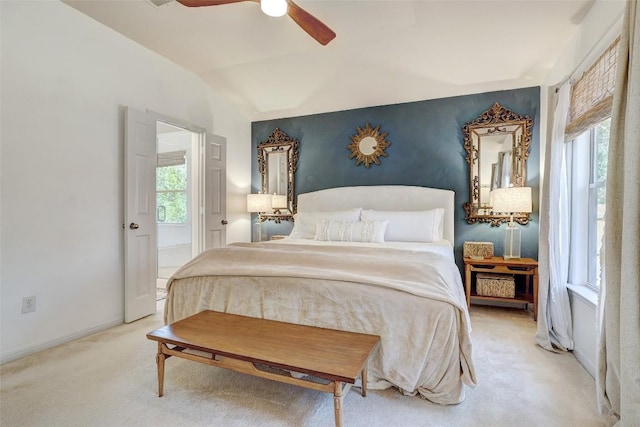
493	119
378	149
279	141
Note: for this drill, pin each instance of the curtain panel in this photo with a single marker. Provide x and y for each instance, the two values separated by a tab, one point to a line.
554	328
618	353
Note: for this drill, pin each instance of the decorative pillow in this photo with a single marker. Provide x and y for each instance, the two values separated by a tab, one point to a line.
304	223
409	226
351	231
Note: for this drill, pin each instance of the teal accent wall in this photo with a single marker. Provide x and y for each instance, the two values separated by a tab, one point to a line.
426	150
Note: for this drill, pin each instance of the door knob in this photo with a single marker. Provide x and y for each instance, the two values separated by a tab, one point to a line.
133	226
224	222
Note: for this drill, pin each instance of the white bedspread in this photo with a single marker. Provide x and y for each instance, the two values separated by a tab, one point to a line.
443	247
413	299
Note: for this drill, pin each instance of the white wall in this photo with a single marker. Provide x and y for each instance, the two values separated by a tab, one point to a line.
583	315
598	30
65	80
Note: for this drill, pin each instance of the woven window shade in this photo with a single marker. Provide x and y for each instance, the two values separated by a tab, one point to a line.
592	94
171	158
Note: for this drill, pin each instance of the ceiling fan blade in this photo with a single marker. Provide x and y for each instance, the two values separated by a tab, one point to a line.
310	24
198	3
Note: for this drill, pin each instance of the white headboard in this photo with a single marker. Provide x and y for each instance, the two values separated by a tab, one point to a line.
383	198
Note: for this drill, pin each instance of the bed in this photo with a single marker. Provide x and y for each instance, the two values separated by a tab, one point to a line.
371	259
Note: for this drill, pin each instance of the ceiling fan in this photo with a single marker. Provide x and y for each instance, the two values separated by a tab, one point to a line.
304	19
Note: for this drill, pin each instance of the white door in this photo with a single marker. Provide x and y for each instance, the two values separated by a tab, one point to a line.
140	257
215	191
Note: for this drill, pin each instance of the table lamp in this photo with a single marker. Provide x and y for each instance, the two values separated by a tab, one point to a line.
258	203
511	200
279	202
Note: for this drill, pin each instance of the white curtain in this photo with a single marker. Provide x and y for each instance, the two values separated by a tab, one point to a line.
618	355
505	171
554	312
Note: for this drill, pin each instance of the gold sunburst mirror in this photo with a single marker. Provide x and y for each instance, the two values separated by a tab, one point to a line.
368	146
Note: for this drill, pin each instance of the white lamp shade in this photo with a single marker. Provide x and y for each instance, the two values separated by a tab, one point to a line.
258	202
511	200
279	201
274	8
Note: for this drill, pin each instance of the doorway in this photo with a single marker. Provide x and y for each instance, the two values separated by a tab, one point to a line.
177	190
205	169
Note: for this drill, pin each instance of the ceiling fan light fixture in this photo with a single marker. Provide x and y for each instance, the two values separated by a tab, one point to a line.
275	8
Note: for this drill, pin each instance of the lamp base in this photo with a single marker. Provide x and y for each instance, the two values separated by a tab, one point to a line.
511	247
256	232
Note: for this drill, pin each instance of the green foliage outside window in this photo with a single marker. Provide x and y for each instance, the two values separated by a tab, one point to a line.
602	149
171	185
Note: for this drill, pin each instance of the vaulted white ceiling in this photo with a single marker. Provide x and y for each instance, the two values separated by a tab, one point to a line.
385	52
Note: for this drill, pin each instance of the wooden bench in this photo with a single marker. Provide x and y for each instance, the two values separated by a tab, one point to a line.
247	344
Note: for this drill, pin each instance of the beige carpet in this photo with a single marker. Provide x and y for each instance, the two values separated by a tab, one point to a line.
109	379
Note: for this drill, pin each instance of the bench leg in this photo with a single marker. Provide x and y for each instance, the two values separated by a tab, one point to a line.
160	357
363	378
338	398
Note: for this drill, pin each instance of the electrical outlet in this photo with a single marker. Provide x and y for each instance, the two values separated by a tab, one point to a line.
28	304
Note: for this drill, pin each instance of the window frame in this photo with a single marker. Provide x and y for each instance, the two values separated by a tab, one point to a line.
583	193
186	191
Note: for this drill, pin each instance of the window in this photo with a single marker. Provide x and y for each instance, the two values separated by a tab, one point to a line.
599	145
587	134
588	163
171	194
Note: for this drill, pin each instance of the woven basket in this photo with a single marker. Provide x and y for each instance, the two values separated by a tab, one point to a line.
495	285
477	250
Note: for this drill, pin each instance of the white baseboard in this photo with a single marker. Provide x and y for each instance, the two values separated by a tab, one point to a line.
25	351
585	362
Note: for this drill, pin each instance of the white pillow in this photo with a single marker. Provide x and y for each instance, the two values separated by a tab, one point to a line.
351	231
409	226
304	223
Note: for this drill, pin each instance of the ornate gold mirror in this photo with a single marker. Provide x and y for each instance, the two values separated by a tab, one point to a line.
368	145
277	162
497	145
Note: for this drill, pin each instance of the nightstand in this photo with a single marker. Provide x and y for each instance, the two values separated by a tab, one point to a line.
527	268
